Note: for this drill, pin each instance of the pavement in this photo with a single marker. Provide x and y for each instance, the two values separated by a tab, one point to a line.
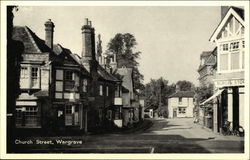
151	136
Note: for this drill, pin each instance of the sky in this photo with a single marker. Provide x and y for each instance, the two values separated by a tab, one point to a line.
170	38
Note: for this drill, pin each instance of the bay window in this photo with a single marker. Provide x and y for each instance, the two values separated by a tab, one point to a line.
34	77
67	83
231	56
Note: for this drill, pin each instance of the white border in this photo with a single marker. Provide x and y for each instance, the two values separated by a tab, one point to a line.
118	156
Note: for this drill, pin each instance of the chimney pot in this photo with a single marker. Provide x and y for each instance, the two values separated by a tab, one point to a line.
90	23
86	21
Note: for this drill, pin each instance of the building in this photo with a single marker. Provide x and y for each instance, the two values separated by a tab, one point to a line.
181	104
52	84
62	89
228	99
207	68
207	71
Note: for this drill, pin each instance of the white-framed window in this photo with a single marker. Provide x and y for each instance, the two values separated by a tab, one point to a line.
232	58
71	115
107	90
34	76
100	90
59	84
181	110
27	116
24	72
84	85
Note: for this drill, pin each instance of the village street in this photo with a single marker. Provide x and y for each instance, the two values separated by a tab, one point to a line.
164	136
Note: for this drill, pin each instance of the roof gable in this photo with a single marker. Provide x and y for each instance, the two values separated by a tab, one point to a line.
230	25
32	43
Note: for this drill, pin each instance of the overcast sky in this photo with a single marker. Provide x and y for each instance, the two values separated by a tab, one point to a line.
170	38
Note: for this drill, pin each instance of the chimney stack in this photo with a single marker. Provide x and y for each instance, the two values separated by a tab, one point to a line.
49	29
86	41
113	62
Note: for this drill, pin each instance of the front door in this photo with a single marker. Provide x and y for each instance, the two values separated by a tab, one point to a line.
174	113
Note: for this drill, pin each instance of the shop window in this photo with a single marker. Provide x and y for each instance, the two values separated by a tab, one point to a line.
71	115
27	116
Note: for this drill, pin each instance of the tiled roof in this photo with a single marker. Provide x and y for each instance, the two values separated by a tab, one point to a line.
58	49
32	43
105	75
182	94
126	74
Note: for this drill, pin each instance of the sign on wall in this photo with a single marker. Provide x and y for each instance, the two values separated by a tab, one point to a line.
229	82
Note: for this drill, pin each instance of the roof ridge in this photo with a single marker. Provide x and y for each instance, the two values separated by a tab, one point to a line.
27	29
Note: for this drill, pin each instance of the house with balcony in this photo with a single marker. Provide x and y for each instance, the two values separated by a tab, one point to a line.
181	104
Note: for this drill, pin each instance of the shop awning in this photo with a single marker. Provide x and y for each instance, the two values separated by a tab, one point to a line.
213	96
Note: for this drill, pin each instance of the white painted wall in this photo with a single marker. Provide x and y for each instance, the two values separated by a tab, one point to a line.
186	102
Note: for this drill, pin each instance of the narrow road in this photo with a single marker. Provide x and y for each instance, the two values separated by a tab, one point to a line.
164	136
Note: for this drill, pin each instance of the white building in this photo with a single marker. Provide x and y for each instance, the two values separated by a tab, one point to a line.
229	80
181	104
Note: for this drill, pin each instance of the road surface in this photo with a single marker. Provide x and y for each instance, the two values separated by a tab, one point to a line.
164	136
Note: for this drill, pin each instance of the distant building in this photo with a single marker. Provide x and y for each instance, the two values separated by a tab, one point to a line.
181	104
207	68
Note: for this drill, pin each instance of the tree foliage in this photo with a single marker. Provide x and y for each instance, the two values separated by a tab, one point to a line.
123	45
204	92
185	85
156	93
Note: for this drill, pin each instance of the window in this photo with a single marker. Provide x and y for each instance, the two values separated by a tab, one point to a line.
100	90
182	110
180	100
59	74
68	75
71	115
234	45
224	61
243	44
27	116
225	47
235	60
24	72
107	90
59	84
84	85
34	76
243	59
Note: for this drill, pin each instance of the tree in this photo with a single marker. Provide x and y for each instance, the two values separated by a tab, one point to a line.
204	92
185	85
156	93
123	46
